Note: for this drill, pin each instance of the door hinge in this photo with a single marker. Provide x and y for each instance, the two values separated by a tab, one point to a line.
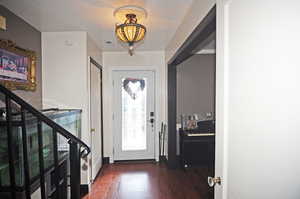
113	83
113	116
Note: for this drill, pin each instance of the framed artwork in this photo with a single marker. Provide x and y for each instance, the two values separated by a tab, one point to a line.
17	67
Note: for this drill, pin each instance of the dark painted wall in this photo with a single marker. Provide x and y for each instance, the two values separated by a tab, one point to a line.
26	37
196	85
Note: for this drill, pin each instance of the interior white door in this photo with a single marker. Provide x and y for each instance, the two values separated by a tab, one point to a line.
95	111
134	115
261	69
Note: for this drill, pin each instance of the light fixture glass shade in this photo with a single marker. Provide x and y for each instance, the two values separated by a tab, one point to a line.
130	32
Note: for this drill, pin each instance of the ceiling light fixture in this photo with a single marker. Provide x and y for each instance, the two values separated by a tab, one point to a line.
130	31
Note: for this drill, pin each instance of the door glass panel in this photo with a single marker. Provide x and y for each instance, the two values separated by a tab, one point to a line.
134	105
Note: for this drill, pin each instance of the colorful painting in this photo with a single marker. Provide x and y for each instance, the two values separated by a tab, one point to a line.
17	66
13	66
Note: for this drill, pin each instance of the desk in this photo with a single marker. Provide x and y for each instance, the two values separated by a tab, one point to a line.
196	149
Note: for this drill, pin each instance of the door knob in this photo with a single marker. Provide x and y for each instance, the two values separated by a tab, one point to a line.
212	181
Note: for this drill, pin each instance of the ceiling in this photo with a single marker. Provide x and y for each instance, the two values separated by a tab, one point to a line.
96	17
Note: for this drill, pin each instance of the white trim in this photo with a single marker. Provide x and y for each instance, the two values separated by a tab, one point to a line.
221	164
99	160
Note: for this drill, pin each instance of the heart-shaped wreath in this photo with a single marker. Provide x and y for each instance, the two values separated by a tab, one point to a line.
132	86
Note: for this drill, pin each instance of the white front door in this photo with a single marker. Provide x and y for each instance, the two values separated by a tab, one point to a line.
96	114
134	117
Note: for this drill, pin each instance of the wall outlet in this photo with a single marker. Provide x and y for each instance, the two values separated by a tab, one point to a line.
2	23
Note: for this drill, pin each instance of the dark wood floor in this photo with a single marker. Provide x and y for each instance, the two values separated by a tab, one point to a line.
150	181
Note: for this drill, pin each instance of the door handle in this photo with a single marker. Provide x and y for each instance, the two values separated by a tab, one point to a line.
93	130
212	181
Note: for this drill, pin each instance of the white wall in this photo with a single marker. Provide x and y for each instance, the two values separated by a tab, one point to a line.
66	75
154	60
196	85
197	11
262	65
64	72
94	51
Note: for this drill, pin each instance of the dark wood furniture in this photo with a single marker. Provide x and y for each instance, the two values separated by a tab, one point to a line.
197	148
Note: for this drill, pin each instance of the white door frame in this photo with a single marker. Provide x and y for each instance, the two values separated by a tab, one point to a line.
91	62
149	151
157	103
221	164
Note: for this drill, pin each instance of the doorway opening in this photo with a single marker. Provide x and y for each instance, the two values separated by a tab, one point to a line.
191	97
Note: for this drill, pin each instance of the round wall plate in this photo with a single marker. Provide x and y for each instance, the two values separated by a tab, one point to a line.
120	13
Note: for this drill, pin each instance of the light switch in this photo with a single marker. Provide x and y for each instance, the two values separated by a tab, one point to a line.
2	23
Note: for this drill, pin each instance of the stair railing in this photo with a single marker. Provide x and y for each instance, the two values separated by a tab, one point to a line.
77	150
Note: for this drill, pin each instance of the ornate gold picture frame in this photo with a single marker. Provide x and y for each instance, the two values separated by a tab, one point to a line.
17	67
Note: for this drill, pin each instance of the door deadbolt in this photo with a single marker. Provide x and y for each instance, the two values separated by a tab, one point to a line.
151	121
213	181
